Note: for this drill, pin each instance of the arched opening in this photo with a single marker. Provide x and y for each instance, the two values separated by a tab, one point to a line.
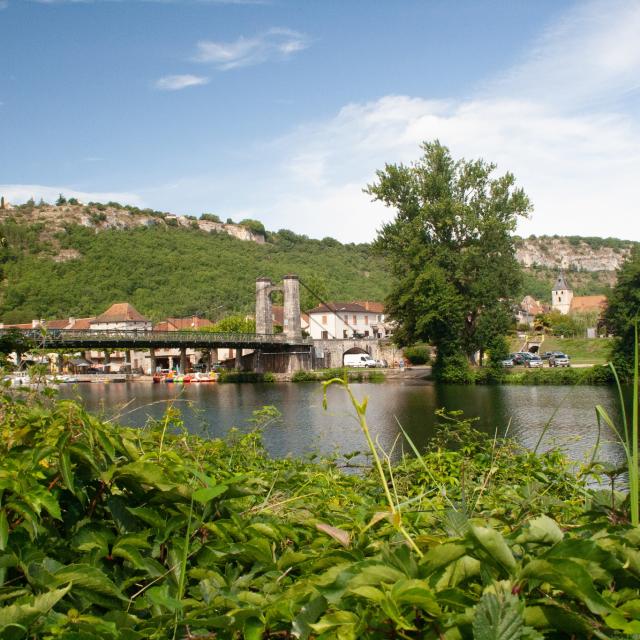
351	357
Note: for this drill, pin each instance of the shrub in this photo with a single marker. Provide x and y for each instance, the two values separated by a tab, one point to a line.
254	225
245	376
417	354
453	369
305	376
211	217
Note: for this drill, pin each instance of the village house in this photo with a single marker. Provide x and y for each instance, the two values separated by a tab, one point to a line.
342	320
563	300
528	309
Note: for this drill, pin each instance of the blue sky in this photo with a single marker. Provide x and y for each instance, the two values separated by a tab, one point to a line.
282	110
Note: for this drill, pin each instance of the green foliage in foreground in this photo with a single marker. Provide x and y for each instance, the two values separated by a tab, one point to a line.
107	532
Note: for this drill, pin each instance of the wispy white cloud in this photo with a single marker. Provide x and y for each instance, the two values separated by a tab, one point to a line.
275	43
177	82
589	57
19	193
564	120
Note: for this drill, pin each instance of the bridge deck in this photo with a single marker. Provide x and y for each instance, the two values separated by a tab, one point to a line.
73	339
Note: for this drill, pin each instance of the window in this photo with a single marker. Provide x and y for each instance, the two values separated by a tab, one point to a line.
355	320
346	318
559	299
366	333
344	333
325	335
366	319
324	319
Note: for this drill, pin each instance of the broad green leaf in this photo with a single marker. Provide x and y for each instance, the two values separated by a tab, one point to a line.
146	473
148	516
495	545
348	620
253	629
161	598
442	555
570	577
542	530
558	619
209	493
390	607
368	592
93	537
88	577
26	612
458	571
375	575
308	615
415	592
620	623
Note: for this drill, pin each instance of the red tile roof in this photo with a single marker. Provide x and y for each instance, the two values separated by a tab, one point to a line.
372	305
339	307
588	303
120	312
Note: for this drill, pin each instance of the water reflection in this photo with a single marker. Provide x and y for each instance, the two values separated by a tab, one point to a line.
306	428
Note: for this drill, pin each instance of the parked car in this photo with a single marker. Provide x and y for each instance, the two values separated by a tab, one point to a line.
522	357
558	359
534	361
546	355
382	364
508	362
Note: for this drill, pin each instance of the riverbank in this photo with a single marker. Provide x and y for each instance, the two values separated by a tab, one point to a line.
140	533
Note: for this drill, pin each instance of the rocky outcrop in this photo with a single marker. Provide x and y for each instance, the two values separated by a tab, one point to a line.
572	254
101	217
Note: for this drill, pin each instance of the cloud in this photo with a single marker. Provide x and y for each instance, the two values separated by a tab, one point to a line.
273	44
19	193
562	119
589	57
177	82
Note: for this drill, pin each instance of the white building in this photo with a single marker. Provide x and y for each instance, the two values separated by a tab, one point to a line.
561	295
121	316
341	320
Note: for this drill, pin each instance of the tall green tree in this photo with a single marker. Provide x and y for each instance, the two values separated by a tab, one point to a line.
450	250
622	310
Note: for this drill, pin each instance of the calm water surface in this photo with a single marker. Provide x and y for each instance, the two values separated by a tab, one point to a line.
306	428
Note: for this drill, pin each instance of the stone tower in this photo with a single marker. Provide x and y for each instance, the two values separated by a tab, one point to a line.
291	286
561	295
264	318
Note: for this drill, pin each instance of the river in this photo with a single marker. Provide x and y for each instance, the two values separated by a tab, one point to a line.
306	428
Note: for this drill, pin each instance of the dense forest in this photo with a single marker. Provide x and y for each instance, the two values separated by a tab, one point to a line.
56	268
170	271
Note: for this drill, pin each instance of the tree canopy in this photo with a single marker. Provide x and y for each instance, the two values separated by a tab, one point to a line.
450	250
623	309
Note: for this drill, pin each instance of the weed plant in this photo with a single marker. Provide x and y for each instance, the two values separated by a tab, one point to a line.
109	532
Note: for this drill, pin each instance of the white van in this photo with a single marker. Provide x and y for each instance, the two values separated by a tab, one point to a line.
359	360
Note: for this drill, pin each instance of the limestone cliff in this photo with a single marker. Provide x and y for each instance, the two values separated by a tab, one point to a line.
573	254
100	217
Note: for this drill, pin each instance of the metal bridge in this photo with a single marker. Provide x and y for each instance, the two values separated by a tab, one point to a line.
140	339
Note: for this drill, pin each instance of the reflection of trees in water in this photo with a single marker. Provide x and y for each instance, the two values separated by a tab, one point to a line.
306	427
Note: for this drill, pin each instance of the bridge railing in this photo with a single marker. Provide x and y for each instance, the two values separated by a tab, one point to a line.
51	337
